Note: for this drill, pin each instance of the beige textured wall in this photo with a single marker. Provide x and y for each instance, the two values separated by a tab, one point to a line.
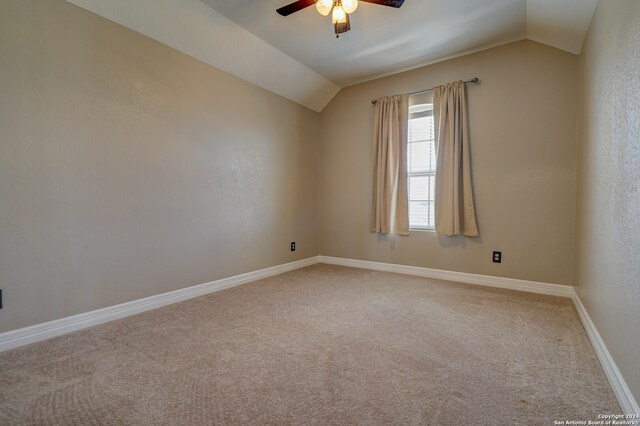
128	169
523	149
608	213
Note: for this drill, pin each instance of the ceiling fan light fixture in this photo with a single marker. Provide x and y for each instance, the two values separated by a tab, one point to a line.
324	7
339	16
342	9
349	6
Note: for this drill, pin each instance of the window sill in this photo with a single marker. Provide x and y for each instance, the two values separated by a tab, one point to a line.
422	229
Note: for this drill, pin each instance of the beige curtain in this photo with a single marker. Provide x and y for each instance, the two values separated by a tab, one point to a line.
454	209
390	207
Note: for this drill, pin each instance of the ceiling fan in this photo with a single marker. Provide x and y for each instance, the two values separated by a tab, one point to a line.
341	10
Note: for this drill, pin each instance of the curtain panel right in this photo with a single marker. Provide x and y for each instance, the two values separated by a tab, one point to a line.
454	209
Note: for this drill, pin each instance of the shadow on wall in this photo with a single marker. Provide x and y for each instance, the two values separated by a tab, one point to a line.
457	241
389	238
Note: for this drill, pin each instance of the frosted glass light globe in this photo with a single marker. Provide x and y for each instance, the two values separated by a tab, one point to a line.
349	6
324	7
339	16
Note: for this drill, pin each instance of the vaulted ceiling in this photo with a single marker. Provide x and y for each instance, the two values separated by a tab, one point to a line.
300	58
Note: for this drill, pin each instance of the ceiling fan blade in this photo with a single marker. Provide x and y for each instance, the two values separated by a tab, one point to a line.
295	7
390	3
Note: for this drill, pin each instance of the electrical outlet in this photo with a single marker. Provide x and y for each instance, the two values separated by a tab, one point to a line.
497	257
293	246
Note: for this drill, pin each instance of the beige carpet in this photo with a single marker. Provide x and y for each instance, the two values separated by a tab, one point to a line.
322	345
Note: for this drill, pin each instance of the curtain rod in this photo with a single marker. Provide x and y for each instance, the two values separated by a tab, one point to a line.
473	80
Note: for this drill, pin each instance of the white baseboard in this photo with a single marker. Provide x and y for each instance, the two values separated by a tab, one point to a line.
618	384
620	389
463	277
24	336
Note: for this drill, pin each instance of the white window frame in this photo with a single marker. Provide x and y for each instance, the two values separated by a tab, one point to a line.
417	103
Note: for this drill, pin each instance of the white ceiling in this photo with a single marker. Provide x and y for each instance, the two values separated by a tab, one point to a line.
300	58
562	24
382	39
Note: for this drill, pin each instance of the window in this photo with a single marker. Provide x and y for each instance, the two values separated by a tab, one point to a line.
421	159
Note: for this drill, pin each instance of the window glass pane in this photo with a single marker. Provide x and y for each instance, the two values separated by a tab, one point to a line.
419	157
421	188
421	129
421	165
421	214
422	157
